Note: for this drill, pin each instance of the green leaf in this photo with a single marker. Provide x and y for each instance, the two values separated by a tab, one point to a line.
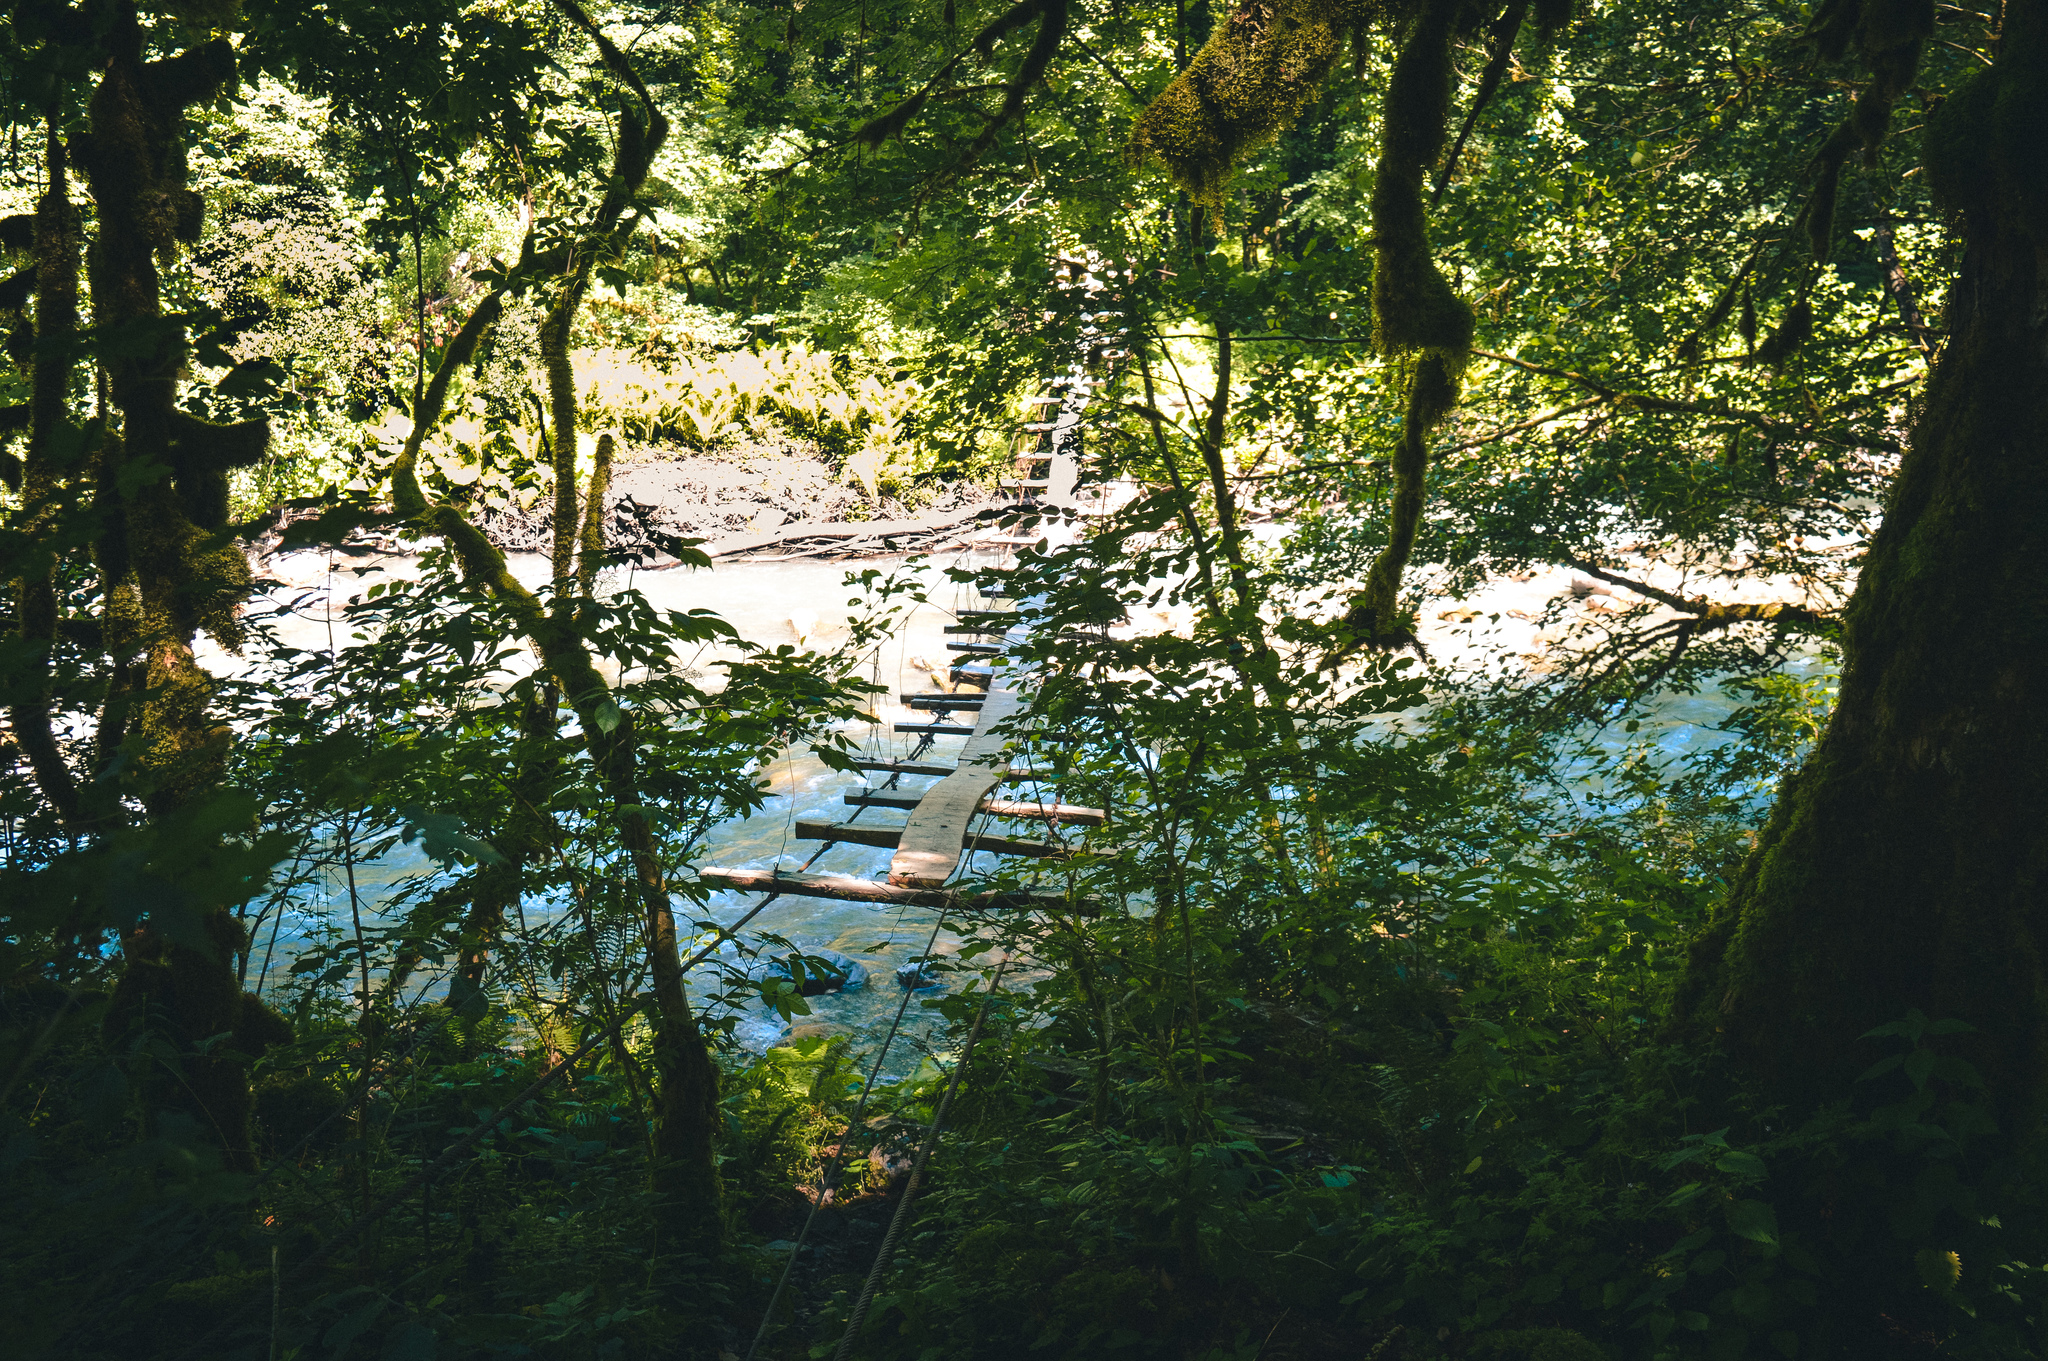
607	717
1938	1270
1746	1166
1752	1300
442	837
1920	1066
1754	1220
1685	1194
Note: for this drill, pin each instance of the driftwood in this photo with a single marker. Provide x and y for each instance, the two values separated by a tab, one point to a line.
800	531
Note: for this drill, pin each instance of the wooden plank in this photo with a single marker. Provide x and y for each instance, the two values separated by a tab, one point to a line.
971	675
977	649
936	729
934	768
1048	812
850	889
902	767
1001	808
937	829
882	799
860	834
942	700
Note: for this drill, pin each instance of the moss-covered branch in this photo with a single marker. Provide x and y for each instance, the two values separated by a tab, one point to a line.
685	1175
1260	68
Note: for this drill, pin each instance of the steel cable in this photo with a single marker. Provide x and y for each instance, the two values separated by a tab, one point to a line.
924	1153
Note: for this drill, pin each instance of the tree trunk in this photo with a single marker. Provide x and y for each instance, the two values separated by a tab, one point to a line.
56	318
188	574
523	837
1904	865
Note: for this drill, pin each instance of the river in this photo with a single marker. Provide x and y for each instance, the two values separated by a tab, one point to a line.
806	600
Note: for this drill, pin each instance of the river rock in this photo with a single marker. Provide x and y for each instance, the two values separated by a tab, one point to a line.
916	976
757	1033
815	1030
847	973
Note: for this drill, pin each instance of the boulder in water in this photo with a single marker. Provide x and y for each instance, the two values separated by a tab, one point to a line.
823	970
915	976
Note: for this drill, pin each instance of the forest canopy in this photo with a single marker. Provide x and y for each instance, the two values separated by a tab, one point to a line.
1479	563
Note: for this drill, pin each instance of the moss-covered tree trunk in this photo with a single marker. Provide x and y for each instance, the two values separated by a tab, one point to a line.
1906	866
167	476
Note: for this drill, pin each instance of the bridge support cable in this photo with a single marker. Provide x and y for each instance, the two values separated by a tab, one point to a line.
924	1153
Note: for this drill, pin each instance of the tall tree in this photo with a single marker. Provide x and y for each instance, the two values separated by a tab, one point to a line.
146	485
1903	867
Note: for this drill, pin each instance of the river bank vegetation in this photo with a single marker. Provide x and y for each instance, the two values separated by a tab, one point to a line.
1649	966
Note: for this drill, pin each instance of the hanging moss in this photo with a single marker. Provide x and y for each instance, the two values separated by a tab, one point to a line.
1251	80
217	582
1794	329
1890	35
202	455
15	290
1552	16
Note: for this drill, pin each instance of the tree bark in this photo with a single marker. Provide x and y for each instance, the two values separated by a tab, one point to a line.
56	318
188	575
1903	866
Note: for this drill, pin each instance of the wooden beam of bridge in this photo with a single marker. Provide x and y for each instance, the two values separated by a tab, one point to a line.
860	834
937	830
995	808
850	889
